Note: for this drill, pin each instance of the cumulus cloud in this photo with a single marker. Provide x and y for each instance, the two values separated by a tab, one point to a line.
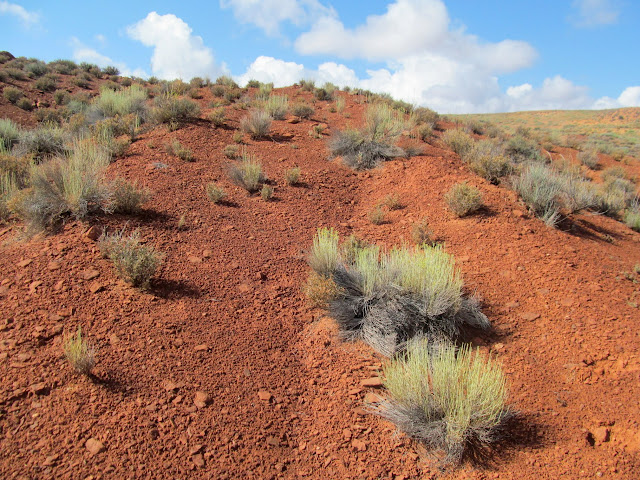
269	14
177	53
83	53
26	17
591	13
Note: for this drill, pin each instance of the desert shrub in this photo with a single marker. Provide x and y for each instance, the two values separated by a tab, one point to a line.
227	81
613	172
42	142
231	151
134	262
81	82
424	132
9	134
463	199
8	188
180	151
390	297
12	94
264	91
292	176
48	115
218	117
68	186
522	149
218	90
632	216
302	110
320	290
257	123
412	149
79	352
614	195
111	70
547	192
61	97
197	82
421	233
237	137
458	140
362	149
15	73
325	92
25	104
377	216
339	104
449	399
425	115
169	109
253	83
64	67
266	192
589	158
36	69
3	76
307	85
215	192
127	101
232	94
247	173
487	159
276	106
126	197
47	83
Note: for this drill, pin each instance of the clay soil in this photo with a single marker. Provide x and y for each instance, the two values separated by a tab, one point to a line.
222	369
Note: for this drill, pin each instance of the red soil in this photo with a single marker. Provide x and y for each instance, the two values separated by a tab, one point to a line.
226	317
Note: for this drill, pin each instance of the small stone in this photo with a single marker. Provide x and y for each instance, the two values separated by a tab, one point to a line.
194	259
93	233
264	396
529	316
196	449
273	441
96	287
51	460
170	386
198	460
40	388
90	274
601	434
34	286
53	266
24	263
293	120
206	254
346	434
374	382
94	446
359	445
372	398
203	347
498	347
202	399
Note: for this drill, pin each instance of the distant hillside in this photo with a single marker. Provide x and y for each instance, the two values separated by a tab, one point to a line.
607	129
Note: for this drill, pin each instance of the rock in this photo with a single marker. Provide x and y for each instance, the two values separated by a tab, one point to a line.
529	316
40	388
374	382
196	449
24	263
202	399
293	120
264	395
203	347
198	460
206	253
346	434
194	259
359	445
53	266
33	286
372	398
93	233
170	386
94	446
96	287
273	441
51	460
601	434
90	274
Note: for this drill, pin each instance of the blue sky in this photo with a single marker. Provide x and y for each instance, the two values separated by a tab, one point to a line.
457	56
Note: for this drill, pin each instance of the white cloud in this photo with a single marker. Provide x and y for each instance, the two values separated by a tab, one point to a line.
630	97
83	53
28	18
591	13
268	14
101	39
177	53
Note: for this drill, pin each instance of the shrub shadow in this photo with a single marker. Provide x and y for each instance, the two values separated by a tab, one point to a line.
173	289
582	228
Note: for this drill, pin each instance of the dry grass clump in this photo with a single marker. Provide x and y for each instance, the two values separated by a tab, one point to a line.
463	199
302	110
42	142
451	400
174	111
80	353
247	173
127	101
276	106
614	195
390	297
522	149
377	216
257	124
421	233
609	173
215	192
320	290
25	104
364	149
126	197
589	158
266	192
632	216
392	202
47	83
180	151
292	176
218	117
488	159
231	151
134	262
9	134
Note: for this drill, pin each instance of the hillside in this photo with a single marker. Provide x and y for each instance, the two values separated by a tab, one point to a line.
223	369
